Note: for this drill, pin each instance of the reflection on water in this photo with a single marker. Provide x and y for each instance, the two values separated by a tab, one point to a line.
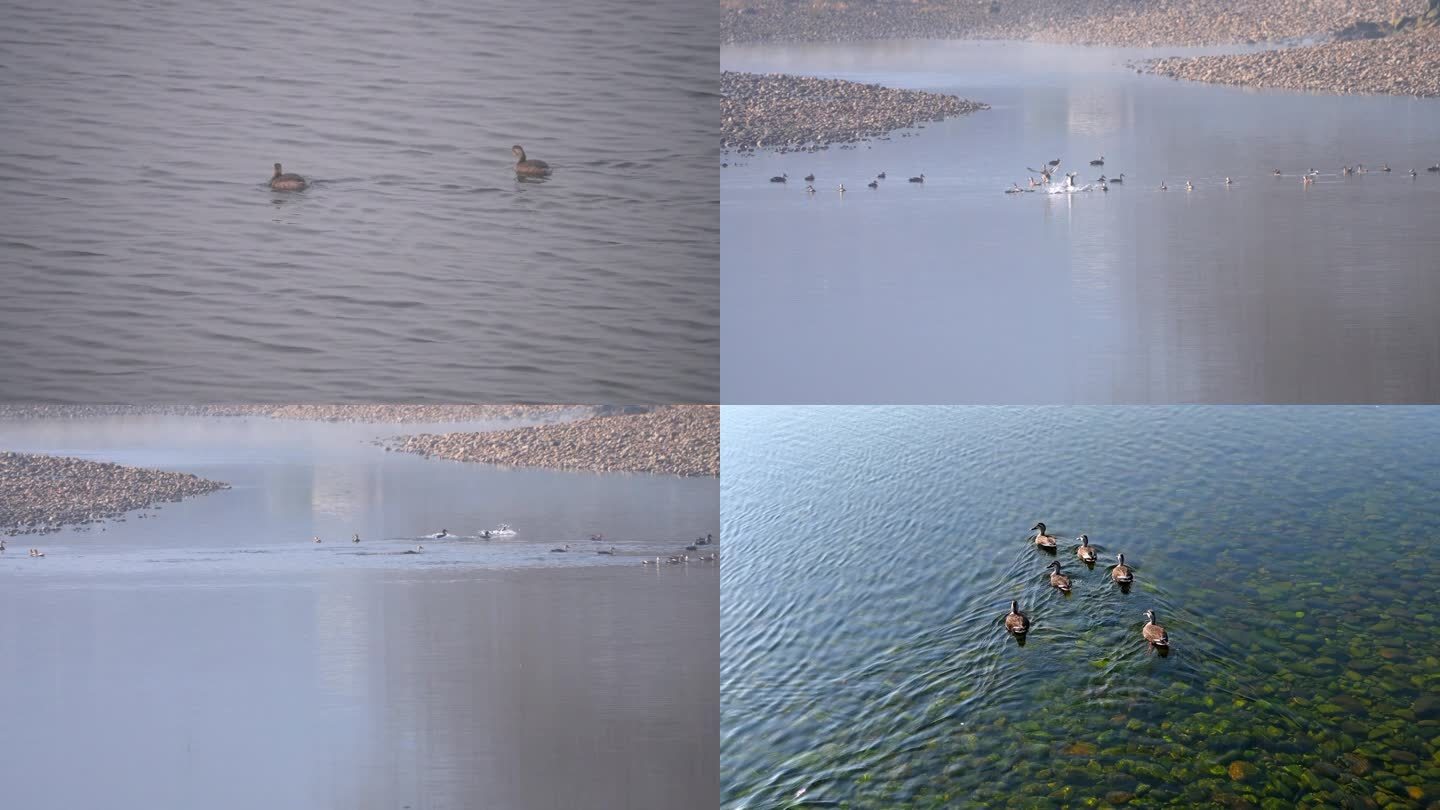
214	644
874	553
1263	291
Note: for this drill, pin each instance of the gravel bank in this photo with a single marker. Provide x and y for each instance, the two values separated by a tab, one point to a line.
797	112
40	494
671	440
387	414
1112	22
1405	64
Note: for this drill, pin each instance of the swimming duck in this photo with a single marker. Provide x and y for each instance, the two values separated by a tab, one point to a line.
1413	173
1086	552
921	179
2	545
1015	621
1189	187
1154	633
1435	168
1058	579
655	561
1099	162
1121	572
1119	179
1014	189
880	176
35	552
1055	162
1346	170
356	538
1042	539
1162	185
809	189
873	184
418	548
1104	186
842	188
780	178
1306	180
560	550
610	552
809	178
1227	181
526	167
316	539
1384	167
281	181
692	547
443	533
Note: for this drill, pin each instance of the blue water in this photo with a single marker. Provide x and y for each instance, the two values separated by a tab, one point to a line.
872	553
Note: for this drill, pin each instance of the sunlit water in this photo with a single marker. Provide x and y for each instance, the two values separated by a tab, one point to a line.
143	258
213	643
874	551
951	291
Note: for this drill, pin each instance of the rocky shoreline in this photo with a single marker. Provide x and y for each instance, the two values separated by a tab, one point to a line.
41	494
1400	64
800	112
379	414
1107	22
679	440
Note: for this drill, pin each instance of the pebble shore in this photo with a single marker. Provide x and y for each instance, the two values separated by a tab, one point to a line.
670	440
1400	64
800	112
41	494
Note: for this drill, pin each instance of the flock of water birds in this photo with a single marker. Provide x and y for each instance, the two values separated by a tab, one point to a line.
1044	180
506	530
1019	624
282	180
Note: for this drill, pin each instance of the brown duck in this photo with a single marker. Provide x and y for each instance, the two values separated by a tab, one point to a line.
1154	633
1058	579
1015	621
1086	552
1042	539
1121	573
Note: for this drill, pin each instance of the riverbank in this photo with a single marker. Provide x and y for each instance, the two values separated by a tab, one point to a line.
799	112
41	494
679	440
1091	22
1400	64
378	414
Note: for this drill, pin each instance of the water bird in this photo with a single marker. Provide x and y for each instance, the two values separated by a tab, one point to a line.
280	181
1086	552
611	552
1384	167
1042	539
1057	579
1189	187
780	178
1119	179
692	547
1346	170
1154	633
443	533
1104	186
527	167
35	552
595	538
1314	172
873	184
809	189
842	188
1435	168
1227	181
1121	572
418	548
1276	172
485	535
316	539
1055	162
880	176
921	179
1098	162
1015	621
1014	189
809	178
560	550
655	561
2	546
356	538
1162	185
1413	173
1306	180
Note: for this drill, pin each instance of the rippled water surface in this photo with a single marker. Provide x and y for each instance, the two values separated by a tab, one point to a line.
950	291
143	258
212	642
872	553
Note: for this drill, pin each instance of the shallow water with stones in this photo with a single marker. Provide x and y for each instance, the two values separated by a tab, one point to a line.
874	551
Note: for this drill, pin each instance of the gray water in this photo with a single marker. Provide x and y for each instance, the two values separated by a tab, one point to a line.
952	291
144	259
209	653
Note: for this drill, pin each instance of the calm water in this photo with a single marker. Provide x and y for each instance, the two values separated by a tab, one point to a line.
143	258
955	292
212	642
874	551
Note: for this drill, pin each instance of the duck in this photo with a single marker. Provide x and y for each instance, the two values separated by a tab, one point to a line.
1307	180
1346	170
880	176
1055	162
611	552
280	181
1015	621
1384	167
316	539
418	549
921	179
485	535
1121	572
873	184
356	538
2	546
810	178
35	552
1014	189
1154	633
1413	174
842	188
1435	168
655	561
780	178
443	533
1188	186
709	557
1057	579
1104	186
1042	539
1276	172
1162	185
1227	181
692	547
1119	179
1086	552
809	189
525	166
560	550
1100	161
